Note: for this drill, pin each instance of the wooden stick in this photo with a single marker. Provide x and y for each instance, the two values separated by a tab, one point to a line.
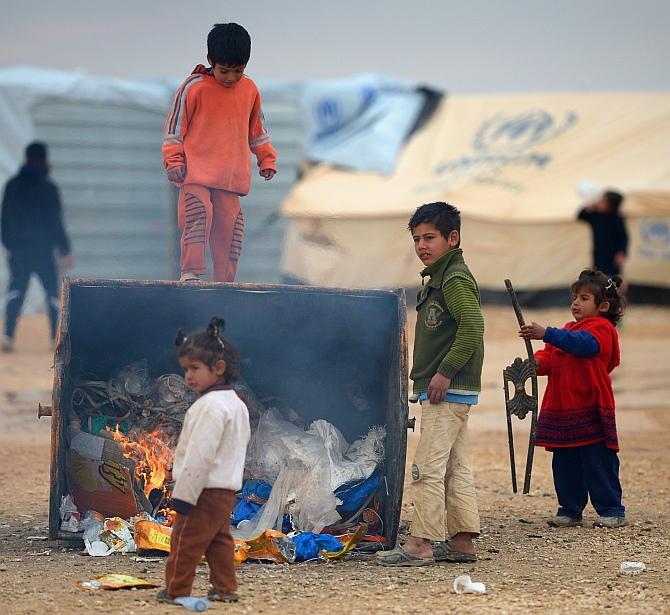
534	391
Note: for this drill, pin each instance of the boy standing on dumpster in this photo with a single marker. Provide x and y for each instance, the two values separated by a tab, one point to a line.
215	119
448	356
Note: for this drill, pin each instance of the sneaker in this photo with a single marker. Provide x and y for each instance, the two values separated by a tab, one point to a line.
216	595
7	344
164	597
564	521
610	522
188	276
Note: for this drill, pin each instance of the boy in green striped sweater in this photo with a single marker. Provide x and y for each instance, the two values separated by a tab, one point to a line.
448	356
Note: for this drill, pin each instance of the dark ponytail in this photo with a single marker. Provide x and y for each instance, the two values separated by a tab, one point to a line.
209	346
604	288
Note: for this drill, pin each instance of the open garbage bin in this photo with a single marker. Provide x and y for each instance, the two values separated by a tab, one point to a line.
327	357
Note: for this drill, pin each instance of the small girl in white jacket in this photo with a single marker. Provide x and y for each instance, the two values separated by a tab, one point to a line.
207	467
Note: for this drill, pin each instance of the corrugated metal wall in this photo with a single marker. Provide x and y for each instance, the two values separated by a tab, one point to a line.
119	209
106	161
261	253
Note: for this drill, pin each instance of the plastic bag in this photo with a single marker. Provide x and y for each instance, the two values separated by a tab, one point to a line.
91	524
314	463
350	463
70	516
309	545
271	514
277	443
315	504
255	493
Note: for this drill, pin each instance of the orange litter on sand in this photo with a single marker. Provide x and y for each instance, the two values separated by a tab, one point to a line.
116	581
349	544
152	536
271	545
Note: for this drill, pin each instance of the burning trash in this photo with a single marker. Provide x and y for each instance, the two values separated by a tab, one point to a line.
122	434
301	482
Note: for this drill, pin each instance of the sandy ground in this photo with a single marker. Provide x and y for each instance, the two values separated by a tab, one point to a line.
527	567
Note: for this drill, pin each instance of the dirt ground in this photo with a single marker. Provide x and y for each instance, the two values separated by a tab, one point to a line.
526	566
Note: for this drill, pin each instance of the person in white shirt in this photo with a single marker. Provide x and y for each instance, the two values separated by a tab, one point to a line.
207	467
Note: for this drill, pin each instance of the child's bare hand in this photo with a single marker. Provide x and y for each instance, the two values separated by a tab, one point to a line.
177	174
267	174
533	331
437	389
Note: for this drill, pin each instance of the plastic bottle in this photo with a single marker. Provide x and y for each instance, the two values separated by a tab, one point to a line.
632	567
464	585
193	603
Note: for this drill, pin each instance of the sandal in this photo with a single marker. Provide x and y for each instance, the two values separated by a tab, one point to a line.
442	552
400	557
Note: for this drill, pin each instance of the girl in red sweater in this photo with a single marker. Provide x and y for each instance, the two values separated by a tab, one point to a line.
577	421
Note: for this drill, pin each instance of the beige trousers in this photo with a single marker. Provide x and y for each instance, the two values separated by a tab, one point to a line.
443	478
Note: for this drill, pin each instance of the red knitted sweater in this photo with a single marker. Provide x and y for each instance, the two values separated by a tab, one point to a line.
578	405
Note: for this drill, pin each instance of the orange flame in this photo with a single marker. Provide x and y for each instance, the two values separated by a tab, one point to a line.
152	455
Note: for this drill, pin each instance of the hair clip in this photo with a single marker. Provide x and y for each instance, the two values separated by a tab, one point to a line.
610	283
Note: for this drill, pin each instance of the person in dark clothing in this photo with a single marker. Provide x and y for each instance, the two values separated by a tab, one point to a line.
610	239
32	230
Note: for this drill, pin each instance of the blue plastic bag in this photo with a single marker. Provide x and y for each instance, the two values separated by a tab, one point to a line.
247	508
308	545
353	495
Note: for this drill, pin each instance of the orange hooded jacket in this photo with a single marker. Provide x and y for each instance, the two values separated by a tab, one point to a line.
210	130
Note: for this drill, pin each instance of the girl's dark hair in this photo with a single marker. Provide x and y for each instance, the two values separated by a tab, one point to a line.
604	289
228	44
209	346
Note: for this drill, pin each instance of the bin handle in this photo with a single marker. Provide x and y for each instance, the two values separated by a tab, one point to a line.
411	423
43	410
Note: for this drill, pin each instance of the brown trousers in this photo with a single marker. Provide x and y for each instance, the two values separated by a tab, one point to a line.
210	216
204	531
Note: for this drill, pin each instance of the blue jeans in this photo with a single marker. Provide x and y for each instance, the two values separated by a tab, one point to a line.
584	472
22	264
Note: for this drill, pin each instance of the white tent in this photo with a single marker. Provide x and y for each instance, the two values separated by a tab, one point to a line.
512	164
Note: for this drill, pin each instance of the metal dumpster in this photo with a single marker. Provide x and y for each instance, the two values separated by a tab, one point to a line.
305	345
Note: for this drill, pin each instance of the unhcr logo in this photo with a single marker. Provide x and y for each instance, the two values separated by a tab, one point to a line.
331	115
520	133
655	240
505	140
328	117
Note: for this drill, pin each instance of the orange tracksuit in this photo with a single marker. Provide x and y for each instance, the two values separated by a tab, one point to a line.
209	130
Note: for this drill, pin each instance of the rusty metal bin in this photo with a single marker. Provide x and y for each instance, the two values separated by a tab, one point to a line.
305	345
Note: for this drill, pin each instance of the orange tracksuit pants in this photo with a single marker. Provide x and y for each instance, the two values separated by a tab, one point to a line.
206	215
204	531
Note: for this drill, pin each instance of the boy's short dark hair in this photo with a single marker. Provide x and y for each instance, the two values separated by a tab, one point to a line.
444	217
228	44
36	152
614	200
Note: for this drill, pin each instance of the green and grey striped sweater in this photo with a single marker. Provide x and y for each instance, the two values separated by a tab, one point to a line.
449	336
